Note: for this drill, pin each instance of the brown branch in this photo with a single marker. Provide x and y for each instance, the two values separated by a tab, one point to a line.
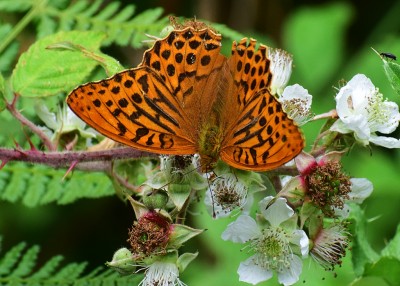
97	159
35	129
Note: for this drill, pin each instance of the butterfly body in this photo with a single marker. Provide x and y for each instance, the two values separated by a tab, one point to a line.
186	98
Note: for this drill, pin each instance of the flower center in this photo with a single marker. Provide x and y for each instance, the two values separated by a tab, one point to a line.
328	187
149	234
273	249
229	193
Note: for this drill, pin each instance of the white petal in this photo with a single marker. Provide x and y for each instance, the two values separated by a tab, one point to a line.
387	142
281	69
361	188
277	212
241	230
291	275
391	111
299	237
251	273
342	213
359	124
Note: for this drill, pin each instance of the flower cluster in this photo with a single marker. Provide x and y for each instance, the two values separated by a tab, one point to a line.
305	217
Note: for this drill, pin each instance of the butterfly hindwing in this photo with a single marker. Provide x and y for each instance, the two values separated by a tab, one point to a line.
264	137
134	107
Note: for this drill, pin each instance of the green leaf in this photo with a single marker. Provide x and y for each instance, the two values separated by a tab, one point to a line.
27	262
43	72
387	268
111	65
392	249
392	71
362	252
9	261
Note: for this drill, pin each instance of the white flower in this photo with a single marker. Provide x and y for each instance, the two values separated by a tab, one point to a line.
276	247
362	110
361	189
296	102
329	245
162	274
225	194
281	69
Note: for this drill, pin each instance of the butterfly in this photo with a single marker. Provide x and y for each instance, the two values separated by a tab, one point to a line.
186	98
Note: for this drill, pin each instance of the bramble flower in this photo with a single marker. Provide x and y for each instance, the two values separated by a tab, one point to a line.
276	243
296	102
231	191
322	183
330	244
162	274
281	69
363	111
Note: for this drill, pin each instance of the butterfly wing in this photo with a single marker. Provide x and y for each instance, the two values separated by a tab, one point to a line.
135	108
261	136
161	105
264	137
189	61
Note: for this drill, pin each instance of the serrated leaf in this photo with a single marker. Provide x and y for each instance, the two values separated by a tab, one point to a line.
111	65
392	249
48	269
70	271
387	268
392	71
362	252
42	72
11	258
27	262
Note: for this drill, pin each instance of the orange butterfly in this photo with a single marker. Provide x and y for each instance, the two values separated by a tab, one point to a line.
185	98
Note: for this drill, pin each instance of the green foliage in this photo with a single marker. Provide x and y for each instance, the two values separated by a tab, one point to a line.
9	54
392	71
18	266
39	185
44	72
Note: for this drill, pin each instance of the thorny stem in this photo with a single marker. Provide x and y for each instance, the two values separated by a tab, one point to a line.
46	140
124	182
66	158
276	182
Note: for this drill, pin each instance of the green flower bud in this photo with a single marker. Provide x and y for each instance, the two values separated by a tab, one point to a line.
122	262
155	199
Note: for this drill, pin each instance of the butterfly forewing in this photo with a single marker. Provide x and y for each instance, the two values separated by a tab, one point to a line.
135	108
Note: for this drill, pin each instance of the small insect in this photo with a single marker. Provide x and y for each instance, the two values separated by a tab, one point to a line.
388	56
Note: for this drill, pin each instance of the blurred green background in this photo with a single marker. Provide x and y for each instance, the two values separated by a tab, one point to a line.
330	41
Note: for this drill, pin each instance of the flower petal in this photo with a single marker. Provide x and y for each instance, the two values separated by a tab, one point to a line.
291	274
299	238
361	188
277	212
387	142
252	273
241	230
